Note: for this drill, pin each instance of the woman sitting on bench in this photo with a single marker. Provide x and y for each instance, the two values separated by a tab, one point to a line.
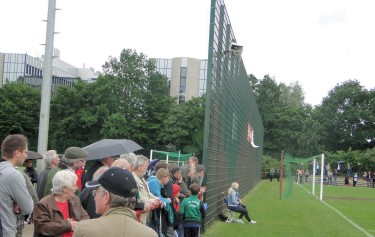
234	204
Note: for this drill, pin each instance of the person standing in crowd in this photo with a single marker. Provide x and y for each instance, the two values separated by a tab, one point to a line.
146	198
348	169
73	159
347	181
107	161
14	197
193	161
30	171
355	179
87	199
278	175
115	197
301	176
235	204
175	175
157	184
121	163
335	174
368	178
59	213
22	219
179	229
26	219
307	174
272	173
188	176
193	211
329	175
131	158
81	177
51	158
328	167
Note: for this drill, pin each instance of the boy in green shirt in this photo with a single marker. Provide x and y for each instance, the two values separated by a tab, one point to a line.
193	211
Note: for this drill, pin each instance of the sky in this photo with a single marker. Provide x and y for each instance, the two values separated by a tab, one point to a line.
318	43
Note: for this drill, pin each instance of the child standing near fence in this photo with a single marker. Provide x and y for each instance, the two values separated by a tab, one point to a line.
192	210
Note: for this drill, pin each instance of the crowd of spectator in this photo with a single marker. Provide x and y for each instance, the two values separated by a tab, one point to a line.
114	197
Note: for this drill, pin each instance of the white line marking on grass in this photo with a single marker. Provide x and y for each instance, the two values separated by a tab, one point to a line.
342	215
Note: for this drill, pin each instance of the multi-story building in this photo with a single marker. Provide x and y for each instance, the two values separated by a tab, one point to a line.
187	76
23	67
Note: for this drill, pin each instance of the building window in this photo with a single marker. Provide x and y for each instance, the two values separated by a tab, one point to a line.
181	99
203	77
183	73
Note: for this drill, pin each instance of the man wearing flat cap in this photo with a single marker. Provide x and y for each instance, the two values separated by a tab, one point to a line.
115	197
73	159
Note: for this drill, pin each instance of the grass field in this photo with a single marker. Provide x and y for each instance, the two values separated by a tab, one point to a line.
345	211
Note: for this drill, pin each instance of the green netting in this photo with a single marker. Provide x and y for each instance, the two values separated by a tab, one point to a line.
291	165
172	156
233	129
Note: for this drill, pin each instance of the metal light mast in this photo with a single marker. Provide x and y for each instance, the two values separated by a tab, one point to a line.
46	85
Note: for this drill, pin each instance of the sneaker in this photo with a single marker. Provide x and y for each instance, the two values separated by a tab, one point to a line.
240	221
253	222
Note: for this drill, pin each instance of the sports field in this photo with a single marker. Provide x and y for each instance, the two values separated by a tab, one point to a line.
345	211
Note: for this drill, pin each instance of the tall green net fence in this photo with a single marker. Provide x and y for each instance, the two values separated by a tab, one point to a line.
233	130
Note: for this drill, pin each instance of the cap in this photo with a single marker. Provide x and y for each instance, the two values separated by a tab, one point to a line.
73	153
117	181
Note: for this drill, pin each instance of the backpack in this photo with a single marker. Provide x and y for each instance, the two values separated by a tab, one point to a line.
222	217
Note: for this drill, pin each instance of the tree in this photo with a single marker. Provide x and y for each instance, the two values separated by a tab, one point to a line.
347	117
129	100
74	115
19	110
139	93
157	106
292	95
283	111
185	125
308	141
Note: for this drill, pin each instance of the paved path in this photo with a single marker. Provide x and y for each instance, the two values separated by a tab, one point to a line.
28	231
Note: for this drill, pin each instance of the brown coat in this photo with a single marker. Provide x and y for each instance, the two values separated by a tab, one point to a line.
48	220
116	222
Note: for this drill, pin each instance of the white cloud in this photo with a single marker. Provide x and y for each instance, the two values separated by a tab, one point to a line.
318	43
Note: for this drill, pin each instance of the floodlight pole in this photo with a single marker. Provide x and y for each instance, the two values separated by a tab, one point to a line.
46	83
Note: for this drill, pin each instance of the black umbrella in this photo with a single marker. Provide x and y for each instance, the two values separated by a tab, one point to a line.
110	147
33	155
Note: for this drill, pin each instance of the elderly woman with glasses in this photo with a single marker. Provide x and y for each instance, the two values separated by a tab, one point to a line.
59	213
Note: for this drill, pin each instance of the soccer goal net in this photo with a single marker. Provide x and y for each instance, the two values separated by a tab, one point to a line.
302	171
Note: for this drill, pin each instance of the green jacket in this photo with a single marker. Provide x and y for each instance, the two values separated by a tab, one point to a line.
192	209
50	176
